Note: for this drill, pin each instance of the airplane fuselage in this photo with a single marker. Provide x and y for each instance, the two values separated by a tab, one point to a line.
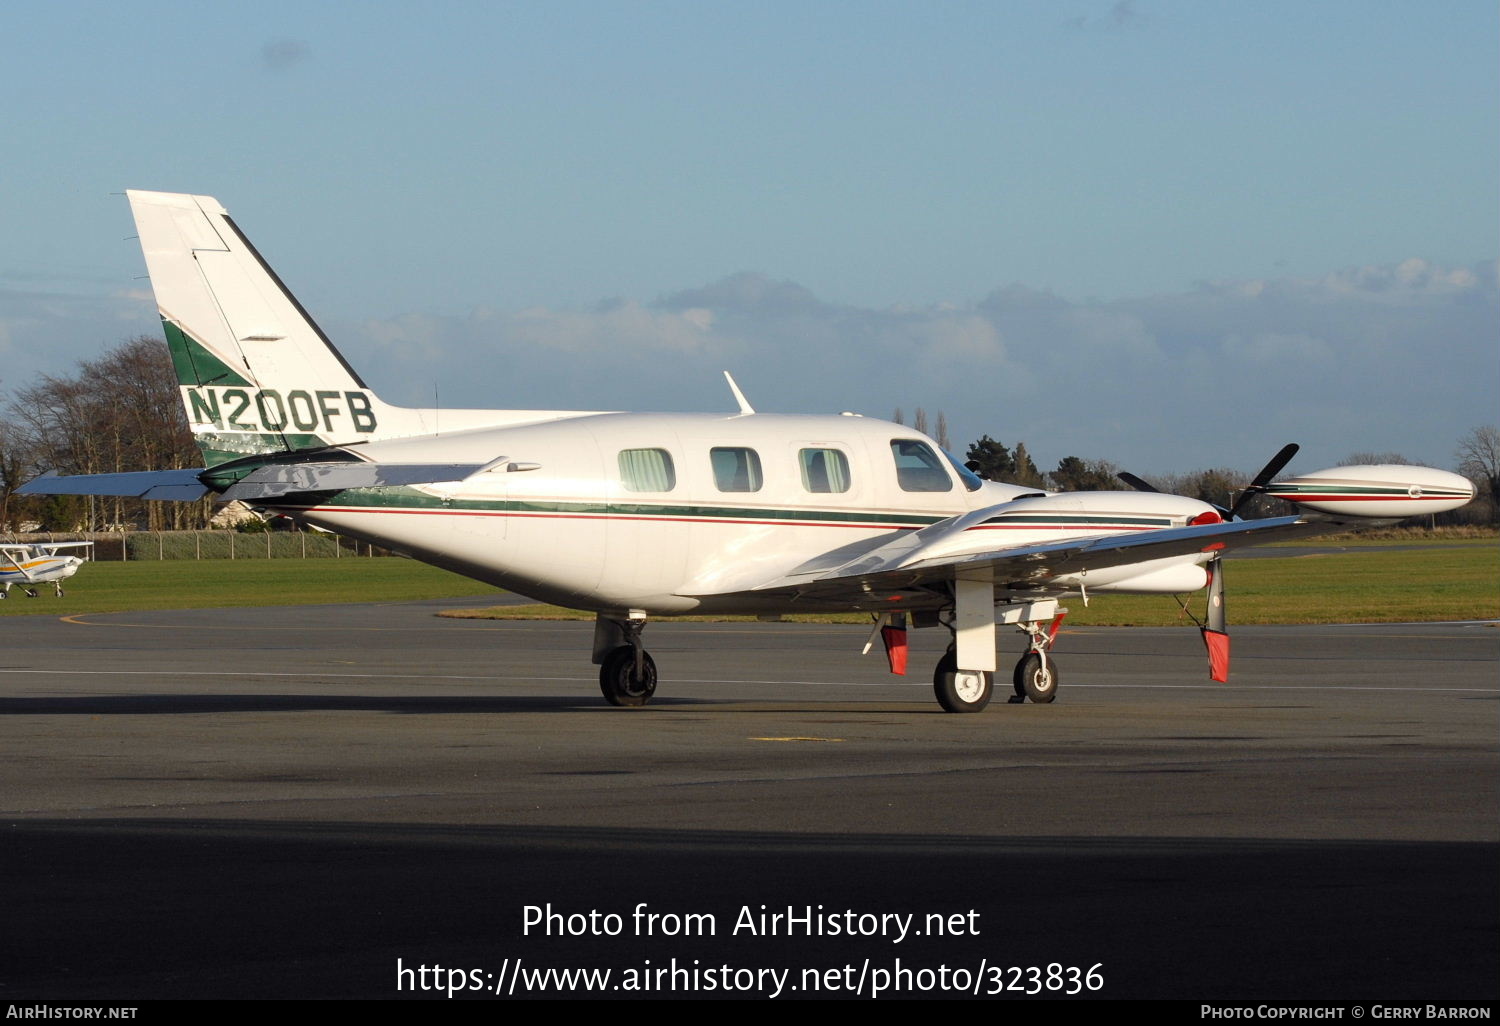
662	512
41	570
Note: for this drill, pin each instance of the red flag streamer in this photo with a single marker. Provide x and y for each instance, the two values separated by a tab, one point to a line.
1217	643
895	647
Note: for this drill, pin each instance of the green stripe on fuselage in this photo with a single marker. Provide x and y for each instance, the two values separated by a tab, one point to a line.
410	498
1373	491
1063	518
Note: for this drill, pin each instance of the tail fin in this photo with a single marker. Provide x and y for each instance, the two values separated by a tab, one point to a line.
256	374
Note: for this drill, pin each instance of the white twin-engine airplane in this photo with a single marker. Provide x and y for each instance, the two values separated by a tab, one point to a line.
633	515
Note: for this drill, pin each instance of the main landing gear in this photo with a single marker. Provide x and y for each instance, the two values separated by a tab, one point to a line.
961	691
627	673
963	680
1035	676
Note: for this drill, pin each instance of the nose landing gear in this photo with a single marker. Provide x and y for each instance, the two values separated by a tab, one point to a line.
627	673
625	683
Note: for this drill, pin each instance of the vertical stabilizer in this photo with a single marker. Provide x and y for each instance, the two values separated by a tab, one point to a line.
257	374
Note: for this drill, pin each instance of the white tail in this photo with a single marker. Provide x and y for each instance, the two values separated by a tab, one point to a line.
257	374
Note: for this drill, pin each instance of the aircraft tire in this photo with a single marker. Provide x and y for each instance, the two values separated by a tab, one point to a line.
618	682
1030	682
956	696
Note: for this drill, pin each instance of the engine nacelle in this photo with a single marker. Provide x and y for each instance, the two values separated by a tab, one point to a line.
1061	517
1176	576
1385	491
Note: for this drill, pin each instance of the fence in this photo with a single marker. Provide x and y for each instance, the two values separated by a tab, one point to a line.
116	546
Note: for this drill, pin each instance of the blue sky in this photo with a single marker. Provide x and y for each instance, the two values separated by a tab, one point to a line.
1092	226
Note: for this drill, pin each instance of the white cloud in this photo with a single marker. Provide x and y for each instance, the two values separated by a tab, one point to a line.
1397	358
619	324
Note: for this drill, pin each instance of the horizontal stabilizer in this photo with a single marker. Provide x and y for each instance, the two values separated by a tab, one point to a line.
268	482
158	485
274	481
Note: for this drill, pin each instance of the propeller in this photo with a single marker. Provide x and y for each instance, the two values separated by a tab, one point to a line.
1139	484
1269	471
1255	487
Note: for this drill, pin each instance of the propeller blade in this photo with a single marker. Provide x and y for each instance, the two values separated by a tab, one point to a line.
1139	484
1269	471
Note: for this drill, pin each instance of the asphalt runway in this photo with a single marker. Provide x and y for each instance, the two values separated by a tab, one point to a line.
299	802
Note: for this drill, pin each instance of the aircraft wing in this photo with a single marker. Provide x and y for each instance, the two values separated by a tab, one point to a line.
906	562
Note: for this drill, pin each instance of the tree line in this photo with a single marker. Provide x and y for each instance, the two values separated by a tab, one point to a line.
123	412
119	413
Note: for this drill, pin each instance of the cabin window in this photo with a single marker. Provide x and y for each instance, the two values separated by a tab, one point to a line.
647	470
736	470
824	470
918	468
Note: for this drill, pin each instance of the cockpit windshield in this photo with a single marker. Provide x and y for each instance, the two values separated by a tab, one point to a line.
972	481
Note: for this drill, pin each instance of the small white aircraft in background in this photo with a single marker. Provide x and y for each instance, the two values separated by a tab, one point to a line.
636	515
28	564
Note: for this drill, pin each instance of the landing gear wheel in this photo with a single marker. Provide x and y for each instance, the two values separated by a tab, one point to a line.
1035	680
961	691
618	680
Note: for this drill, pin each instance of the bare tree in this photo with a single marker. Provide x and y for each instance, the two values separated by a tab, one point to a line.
120	413
15	460
1479	460
1366	459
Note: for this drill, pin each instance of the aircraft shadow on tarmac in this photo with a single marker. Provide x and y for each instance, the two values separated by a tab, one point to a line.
226	908
172	704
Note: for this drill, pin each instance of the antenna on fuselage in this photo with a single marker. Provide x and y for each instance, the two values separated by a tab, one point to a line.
739	397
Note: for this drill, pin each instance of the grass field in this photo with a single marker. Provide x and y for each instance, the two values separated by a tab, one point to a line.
1446	581
191	584
1438	582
